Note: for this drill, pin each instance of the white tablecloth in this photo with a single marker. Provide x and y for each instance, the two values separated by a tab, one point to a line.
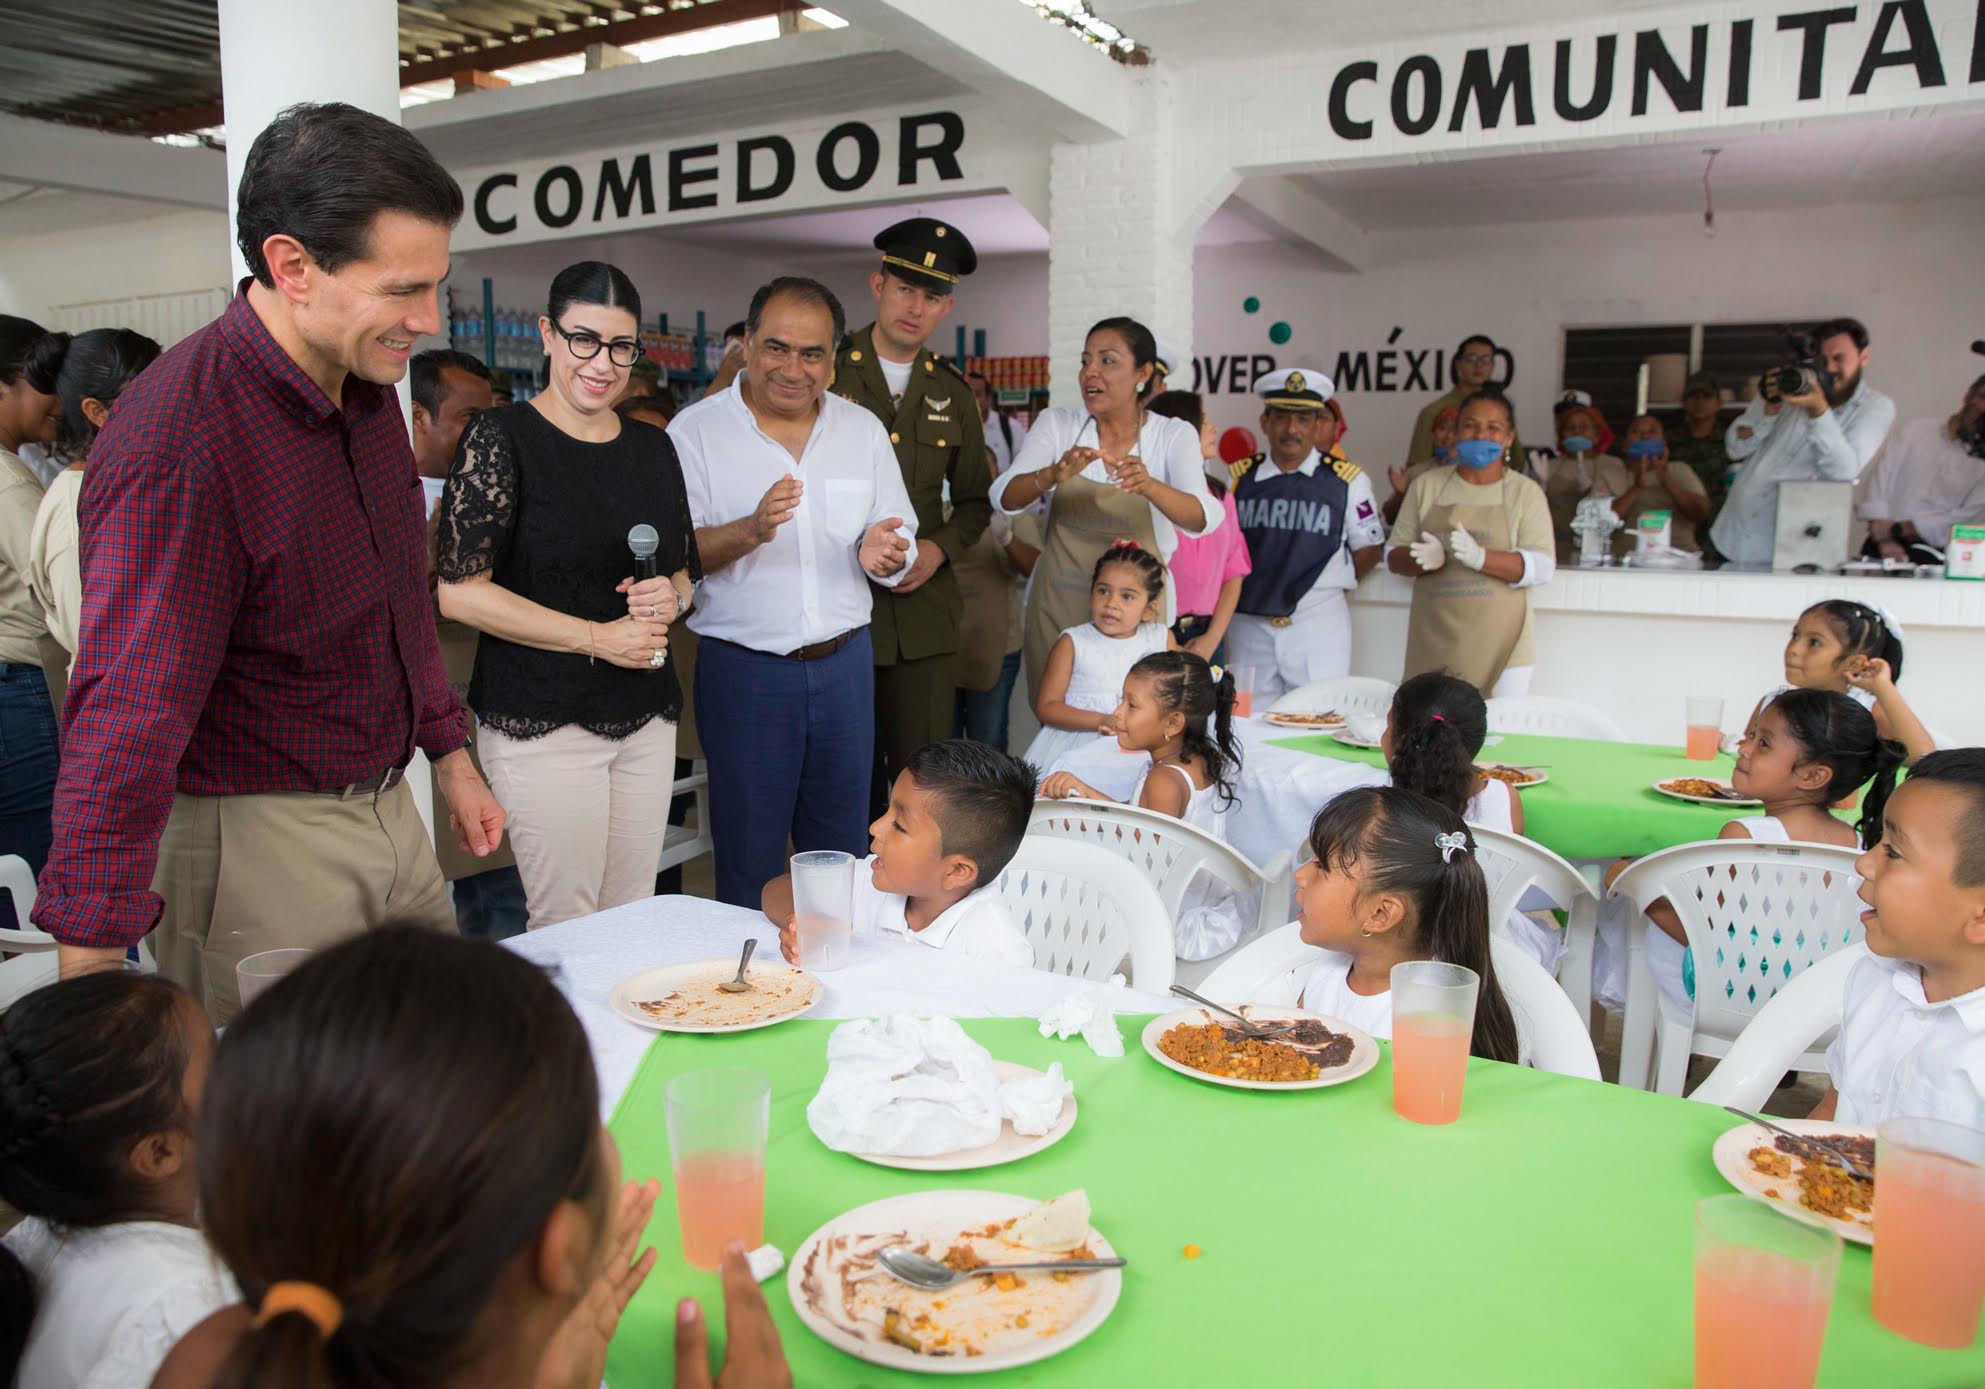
1279	792
593	953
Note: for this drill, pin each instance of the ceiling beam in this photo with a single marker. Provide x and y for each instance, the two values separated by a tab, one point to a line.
502	53
1007	50
50	155
1306	219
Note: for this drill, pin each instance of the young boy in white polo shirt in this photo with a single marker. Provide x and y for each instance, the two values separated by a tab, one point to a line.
956	816
1912	1032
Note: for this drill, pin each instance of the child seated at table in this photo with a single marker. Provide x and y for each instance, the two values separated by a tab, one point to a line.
956	817
1395	879
100	1077
1804	751
1912	1027
1174	712
1855	650
1083	676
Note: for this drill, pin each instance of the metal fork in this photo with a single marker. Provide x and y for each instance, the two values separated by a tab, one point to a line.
1248	1025
1813	1144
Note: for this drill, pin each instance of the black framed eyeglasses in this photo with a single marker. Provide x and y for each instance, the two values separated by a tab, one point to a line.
622	352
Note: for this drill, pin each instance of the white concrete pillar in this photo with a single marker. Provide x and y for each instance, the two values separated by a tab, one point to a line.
274	55
1122	215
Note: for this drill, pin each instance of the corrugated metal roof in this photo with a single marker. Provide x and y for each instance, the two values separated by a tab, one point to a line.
154	67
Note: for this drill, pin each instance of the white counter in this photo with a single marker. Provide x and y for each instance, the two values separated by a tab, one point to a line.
1637	642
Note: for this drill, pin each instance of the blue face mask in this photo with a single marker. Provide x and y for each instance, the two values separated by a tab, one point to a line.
1575	443
1479	453
1645	448
1442	453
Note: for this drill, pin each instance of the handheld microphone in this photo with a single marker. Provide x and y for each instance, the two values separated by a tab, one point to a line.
1978	346
644	541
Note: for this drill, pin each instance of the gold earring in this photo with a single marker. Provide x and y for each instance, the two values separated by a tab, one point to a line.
1364	930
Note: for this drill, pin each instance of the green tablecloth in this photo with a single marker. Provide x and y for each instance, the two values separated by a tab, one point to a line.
1599	803
1545	1239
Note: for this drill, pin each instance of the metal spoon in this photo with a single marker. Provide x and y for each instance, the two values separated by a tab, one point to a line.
1248	1025
1824	1149
738	985
920	1272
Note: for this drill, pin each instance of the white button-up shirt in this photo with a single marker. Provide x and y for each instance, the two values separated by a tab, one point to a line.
978	926
806	584
1792	446
1927	478
1169	449
1898	1054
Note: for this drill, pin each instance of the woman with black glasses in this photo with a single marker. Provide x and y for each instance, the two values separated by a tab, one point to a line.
573	684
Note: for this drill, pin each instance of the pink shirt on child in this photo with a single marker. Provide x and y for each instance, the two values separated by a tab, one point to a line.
1201	564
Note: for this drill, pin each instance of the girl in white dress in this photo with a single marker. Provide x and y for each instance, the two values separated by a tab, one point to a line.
1083	682
1433	734
1174	712
1855	650
1804	751
1395	879
100	1077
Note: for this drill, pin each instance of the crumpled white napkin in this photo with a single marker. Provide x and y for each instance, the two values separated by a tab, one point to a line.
919	1087
1033	1103
1087	1011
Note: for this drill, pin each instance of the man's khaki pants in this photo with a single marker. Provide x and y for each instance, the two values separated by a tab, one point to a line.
243	874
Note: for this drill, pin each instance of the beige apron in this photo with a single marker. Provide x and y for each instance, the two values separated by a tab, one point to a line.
985	583
1462	621
1564	488
1084	519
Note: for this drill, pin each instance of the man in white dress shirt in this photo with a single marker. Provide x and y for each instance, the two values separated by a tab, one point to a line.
798	500
1826	433
1926	481
1313	531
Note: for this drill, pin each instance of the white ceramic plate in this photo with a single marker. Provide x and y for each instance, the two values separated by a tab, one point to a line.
1661	786
1364	1051
1533	776
1352	740
798	992
1008	1147
1309	723
1730	1152
940	1216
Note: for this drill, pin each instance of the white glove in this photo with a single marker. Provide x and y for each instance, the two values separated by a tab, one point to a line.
1467	548
1427	552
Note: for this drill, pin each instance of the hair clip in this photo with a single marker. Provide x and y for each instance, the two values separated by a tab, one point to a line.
1123	543
1448	843
1440	718
1218	673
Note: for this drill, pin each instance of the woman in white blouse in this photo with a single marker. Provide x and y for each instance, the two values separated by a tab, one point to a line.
1110	471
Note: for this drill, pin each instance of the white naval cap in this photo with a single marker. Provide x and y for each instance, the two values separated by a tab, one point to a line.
1294	388
1170	359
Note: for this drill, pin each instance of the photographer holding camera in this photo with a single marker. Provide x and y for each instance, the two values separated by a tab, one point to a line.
1929	478
1814	420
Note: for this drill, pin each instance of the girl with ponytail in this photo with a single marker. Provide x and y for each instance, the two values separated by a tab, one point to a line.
1174	711
1395	879
100	1078
1805	751
1433	734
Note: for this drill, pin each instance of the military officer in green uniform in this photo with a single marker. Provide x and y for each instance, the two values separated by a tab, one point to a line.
933	420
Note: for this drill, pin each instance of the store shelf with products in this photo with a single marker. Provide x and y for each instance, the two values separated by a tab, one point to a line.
506	340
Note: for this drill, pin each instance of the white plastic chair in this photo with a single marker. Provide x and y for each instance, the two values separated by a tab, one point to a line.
1808	1007
1347	694
681	843
1085	911
1273	969
1513	865
1756	916
1553	718
1169	853
26	939
24	974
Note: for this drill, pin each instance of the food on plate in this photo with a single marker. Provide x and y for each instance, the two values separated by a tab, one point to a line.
1824	1185
842	1281
1299	1052
1699	786
1516	778
776	991
1056	1226
1330	718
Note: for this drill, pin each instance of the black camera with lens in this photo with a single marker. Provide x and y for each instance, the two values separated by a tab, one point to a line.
1801	372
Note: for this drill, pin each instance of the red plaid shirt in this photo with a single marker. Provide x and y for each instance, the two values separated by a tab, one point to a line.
255	612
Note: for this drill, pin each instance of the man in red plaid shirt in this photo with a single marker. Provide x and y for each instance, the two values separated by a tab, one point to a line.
257	658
